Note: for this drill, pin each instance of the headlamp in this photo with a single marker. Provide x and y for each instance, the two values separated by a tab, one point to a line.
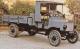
65	27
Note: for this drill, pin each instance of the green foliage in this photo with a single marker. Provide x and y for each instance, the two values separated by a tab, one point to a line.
20	7
0	3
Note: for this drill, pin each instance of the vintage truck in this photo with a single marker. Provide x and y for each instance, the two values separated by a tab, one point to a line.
46	21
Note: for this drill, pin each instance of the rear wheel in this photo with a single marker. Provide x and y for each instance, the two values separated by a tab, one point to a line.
54	38
32	30
13	30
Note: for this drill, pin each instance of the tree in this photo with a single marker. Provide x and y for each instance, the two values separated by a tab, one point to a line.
20	7
0	2
73	5
4	7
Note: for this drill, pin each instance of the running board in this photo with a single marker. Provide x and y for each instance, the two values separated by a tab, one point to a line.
41	33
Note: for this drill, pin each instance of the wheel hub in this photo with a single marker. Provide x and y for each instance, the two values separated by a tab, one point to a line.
32	30
12	30
54	38
72	36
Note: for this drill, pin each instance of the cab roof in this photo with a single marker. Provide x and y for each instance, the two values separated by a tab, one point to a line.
56	3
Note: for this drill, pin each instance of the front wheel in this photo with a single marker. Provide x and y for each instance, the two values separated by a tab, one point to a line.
73	37
54	38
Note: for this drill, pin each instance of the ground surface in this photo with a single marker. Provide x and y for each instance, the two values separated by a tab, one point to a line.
31	42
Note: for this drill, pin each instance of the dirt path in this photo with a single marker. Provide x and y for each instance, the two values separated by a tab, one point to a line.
32	42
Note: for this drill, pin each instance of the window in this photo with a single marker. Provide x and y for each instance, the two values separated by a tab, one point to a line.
43	8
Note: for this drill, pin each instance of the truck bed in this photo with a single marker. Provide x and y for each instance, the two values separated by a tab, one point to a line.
15	19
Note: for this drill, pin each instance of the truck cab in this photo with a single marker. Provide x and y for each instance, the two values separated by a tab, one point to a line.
47	12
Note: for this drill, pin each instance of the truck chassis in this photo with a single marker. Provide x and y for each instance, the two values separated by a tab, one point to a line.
54	27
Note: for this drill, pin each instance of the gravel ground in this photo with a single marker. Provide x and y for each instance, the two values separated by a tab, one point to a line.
31	42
